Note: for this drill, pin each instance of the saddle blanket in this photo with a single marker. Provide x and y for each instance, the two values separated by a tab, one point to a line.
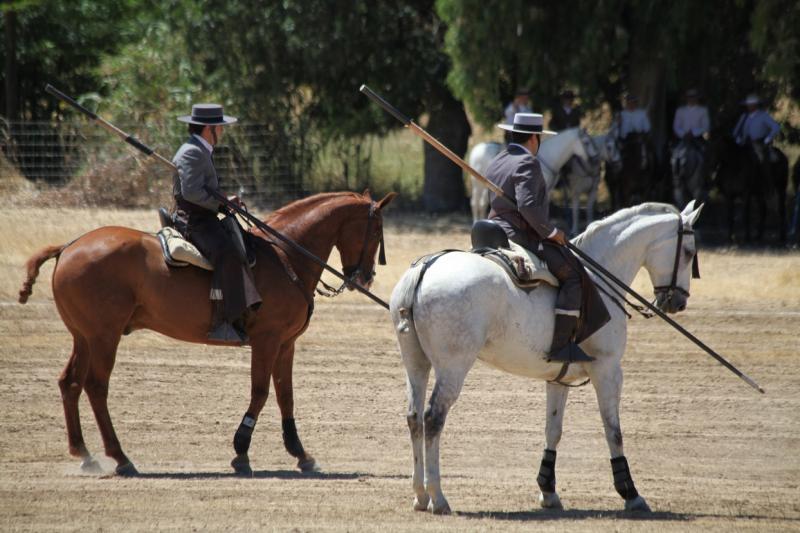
178	252
524	267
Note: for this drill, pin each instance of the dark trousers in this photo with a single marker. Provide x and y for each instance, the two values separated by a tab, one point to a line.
231	276
565	267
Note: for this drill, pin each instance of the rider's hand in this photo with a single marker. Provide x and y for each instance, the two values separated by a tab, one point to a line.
559	238
235	200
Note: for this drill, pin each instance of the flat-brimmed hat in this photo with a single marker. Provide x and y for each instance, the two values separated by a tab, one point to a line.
628	97
752	99
692	93
207	115
527	123
567	93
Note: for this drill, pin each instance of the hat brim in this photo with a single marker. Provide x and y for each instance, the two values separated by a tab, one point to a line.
509	127
225	120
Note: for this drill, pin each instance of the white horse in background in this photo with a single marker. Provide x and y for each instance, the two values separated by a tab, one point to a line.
465	307
582	176
553	154
479	158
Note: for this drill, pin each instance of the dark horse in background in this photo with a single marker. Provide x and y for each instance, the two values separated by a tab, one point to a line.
630	182
794	225
113	280
752	174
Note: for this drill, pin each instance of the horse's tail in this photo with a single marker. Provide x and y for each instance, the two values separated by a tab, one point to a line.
33	265
403	297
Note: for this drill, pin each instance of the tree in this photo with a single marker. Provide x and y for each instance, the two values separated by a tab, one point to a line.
298	66
653	48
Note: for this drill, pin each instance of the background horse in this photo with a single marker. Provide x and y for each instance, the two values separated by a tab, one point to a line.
583	176
553	154
687	163
631	181
112	281
479	158
744	174
467	308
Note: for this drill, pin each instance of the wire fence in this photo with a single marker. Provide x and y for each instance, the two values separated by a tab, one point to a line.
267	166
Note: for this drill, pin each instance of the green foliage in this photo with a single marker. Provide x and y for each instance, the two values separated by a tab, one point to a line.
62	42
604	47
776	37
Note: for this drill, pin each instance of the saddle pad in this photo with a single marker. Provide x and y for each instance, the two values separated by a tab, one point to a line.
528	269
179	252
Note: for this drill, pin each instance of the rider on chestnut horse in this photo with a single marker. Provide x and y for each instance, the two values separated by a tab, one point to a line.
233	289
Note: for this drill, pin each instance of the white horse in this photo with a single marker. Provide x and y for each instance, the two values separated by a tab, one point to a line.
553	154
582	176
465	308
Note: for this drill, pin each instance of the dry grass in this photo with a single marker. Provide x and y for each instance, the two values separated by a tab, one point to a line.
707	452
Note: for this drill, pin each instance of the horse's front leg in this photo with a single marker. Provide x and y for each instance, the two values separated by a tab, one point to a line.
263	356
282	378
556	402
607	380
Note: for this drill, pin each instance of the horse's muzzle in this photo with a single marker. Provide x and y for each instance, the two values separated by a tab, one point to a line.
674	302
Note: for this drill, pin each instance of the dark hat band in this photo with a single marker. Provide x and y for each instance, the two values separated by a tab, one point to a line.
528	128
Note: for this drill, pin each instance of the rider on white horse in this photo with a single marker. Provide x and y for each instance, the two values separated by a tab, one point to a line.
517	172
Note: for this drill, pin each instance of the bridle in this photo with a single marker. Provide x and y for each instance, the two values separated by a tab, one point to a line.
673	287
353	272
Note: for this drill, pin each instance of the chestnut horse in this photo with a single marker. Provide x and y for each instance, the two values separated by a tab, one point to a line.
113	280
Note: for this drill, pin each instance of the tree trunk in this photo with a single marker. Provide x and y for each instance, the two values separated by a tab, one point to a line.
12	100
443	190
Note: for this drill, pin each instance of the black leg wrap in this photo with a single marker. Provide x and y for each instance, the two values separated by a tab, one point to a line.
547	472
241	440
290	439
622	478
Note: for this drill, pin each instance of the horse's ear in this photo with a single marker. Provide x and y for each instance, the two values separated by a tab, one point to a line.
366	194
386	200
691	218
688	209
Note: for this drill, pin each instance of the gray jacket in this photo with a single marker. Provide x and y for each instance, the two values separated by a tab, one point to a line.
195	170
519	175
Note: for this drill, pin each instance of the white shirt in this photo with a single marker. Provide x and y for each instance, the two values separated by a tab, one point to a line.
207	144
690	118
512	109
635	121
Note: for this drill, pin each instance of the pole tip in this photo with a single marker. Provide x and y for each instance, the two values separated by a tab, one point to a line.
363	88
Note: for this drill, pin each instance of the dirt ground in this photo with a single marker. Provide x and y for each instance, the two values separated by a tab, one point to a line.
706	450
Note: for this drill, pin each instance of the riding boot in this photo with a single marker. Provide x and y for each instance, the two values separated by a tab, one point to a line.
563	350
223	331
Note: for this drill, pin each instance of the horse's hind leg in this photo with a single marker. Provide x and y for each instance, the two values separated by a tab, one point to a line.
104	352
607	381
418	370
71	383
284	393
556	402
445	393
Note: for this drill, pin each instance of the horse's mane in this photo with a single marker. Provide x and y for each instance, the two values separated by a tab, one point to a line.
648	208
305	205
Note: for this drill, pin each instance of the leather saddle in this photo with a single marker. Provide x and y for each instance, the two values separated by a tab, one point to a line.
524	268
179	252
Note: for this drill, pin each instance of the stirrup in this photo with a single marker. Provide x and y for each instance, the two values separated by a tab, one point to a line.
570	353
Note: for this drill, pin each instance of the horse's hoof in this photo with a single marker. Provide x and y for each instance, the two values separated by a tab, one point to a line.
442	507
421	504
637	504
550	500
89	465
308	465
126	470
241	465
